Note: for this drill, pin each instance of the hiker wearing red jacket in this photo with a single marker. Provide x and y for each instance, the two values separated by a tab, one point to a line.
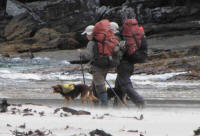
98	73
135	52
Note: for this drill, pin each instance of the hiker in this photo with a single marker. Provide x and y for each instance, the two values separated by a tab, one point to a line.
135	44
99	50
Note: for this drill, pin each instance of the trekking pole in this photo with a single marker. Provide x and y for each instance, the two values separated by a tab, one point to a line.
116	94
82	70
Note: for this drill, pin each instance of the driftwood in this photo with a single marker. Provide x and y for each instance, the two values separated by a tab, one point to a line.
75	112
31	133
78	61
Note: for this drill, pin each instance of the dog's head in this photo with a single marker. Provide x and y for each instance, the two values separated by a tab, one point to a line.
57	89
64	88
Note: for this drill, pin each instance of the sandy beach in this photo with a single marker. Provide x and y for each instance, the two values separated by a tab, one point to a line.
172	107
159	121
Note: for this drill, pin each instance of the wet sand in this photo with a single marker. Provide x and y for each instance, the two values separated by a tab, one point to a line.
176	42
150	103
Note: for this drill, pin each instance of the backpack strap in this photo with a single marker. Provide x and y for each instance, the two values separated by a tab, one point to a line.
103	43
96	48
136	40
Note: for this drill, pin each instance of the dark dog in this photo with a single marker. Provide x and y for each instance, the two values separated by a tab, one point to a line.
119	96
112	92
72	91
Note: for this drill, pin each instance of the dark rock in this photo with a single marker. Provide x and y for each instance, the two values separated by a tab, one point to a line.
98	132
27	110
27	55
56	110
20	27
4	105
41	113
32	133
197	132
6	55
194	50
23	126
8	125
3	4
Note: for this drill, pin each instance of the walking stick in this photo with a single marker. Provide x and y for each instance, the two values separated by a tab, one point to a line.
82	70
116	94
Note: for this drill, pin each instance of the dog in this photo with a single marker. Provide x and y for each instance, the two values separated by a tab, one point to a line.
111	93
71	91
119	96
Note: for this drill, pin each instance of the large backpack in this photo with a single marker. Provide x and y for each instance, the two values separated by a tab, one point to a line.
106	43
133	35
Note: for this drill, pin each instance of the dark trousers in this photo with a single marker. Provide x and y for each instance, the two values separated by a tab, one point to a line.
123	82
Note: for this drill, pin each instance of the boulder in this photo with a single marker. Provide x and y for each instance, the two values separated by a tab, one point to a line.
20	27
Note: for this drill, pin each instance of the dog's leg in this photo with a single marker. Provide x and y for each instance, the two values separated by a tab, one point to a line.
125	99
82	101
92	98
69	100
83	97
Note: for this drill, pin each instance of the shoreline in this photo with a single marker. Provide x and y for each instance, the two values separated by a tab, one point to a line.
150	103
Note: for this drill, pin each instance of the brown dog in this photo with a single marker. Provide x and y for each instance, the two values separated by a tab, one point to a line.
72	91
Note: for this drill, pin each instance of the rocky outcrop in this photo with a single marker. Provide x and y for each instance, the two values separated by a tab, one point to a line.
173	60
58	24
3	22
20	27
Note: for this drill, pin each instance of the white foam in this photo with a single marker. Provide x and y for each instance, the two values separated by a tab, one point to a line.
39	58
65	62
4	71
153	80
156	77
16	59
168	84
3	96
20	76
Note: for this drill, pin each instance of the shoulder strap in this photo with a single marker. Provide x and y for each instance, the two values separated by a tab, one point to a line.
103	43
136	40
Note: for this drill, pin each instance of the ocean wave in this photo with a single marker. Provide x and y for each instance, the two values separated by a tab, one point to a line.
157	77
3	96
35	62
8	74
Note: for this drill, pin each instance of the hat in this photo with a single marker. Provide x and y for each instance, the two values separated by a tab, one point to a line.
114	26
88	30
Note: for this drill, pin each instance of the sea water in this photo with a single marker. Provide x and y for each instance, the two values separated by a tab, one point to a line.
26	78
